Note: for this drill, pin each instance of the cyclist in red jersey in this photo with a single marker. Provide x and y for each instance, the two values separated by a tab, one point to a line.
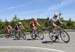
33	24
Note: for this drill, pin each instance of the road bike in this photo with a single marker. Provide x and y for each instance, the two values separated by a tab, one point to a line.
59	33
37	33
20	34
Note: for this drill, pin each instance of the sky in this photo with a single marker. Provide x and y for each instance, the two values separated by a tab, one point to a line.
26	9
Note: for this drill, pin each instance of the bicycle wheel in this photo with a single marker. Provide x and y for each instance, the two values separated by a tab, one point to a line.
65	36
52	36
13	34
40	35
7	36
33	35
17	36
24	36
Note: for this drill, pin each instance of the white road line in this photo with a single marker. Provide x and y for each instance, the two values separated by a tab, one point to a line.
28	47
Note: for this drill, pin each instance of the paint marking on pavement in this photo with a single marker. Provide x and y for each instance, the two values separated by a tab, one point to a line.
28	47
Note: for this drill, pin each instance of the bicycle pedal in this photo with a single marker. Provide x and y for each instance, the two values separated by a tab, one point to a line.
54	40
52	36
35	35
56	37
54	32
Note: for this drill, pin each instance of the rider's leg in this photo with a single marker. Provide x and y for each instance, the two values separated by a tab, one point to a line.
35	30
55	29
9	33
54	26
18	34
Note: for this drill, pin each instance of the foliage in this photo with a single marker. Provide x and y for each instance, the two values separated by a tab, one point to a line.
68	24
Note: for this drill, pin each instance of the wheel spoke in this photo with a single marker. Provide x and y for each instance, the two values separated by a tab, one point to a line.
65	37
41	35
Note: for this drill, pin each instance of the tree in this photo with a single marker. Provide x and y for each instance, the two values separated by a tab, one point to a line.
15	18
47	22
14	21
0	24
6	22
70	23
62	19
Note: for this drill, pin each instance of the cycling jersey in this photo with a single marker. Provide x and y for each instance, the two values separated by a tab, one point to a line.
9	28
33	23
51	21
17	27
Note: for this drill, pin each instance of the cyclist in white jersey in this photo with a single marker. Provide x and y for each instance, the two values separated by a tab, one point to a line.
54	20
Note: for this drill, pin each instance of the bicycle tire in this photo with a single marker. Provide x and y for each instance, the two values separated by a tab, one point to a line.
66	41
40	35
24	36
33	35
52	37
17	36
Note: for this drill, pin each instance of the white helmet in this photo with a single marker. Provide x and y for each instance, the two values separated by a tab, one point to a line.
34	18
56	13
19	23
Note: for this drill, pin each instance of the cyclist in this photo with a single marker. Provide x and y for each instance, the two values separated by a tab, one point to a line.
33	24
19	27
9	30
55	21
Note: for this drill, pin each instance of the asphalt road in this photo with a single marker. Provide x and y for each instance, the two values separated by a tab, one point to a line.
37	45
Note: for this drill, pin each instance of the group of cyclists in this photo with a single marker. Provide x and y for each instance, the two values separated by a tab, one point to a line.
19	26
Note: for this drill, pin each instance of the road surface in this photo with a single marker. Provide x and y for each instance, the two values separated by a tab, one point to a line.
45	45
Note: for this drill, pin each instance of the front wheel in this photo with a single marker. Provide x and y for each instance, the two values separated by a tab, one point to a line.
65	36
17	36
41	35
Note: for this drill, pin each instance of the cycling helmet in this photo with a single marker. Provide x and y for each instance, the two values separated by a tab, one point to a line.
19	23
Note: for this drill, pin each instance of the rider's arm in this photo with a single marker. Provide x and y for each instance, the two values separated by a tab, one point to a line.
7	28
11	27
23	27
54	24
38	24
60	21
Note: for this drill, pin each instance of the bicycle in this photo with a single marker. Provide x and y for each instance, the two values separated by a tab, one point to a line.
60	33
37	33
20	34
10	34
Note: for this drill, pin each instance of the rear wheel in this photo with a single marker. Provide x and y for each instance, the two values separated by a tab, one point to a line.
7	36
52	36
33	35
65	36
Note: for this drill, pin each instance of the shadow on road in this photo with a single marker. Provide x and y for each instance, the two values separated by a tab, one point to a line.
32	39
51	42
46	42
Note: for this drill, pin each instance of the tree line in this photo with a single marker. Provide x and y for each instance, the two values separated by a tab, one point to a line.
68	24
